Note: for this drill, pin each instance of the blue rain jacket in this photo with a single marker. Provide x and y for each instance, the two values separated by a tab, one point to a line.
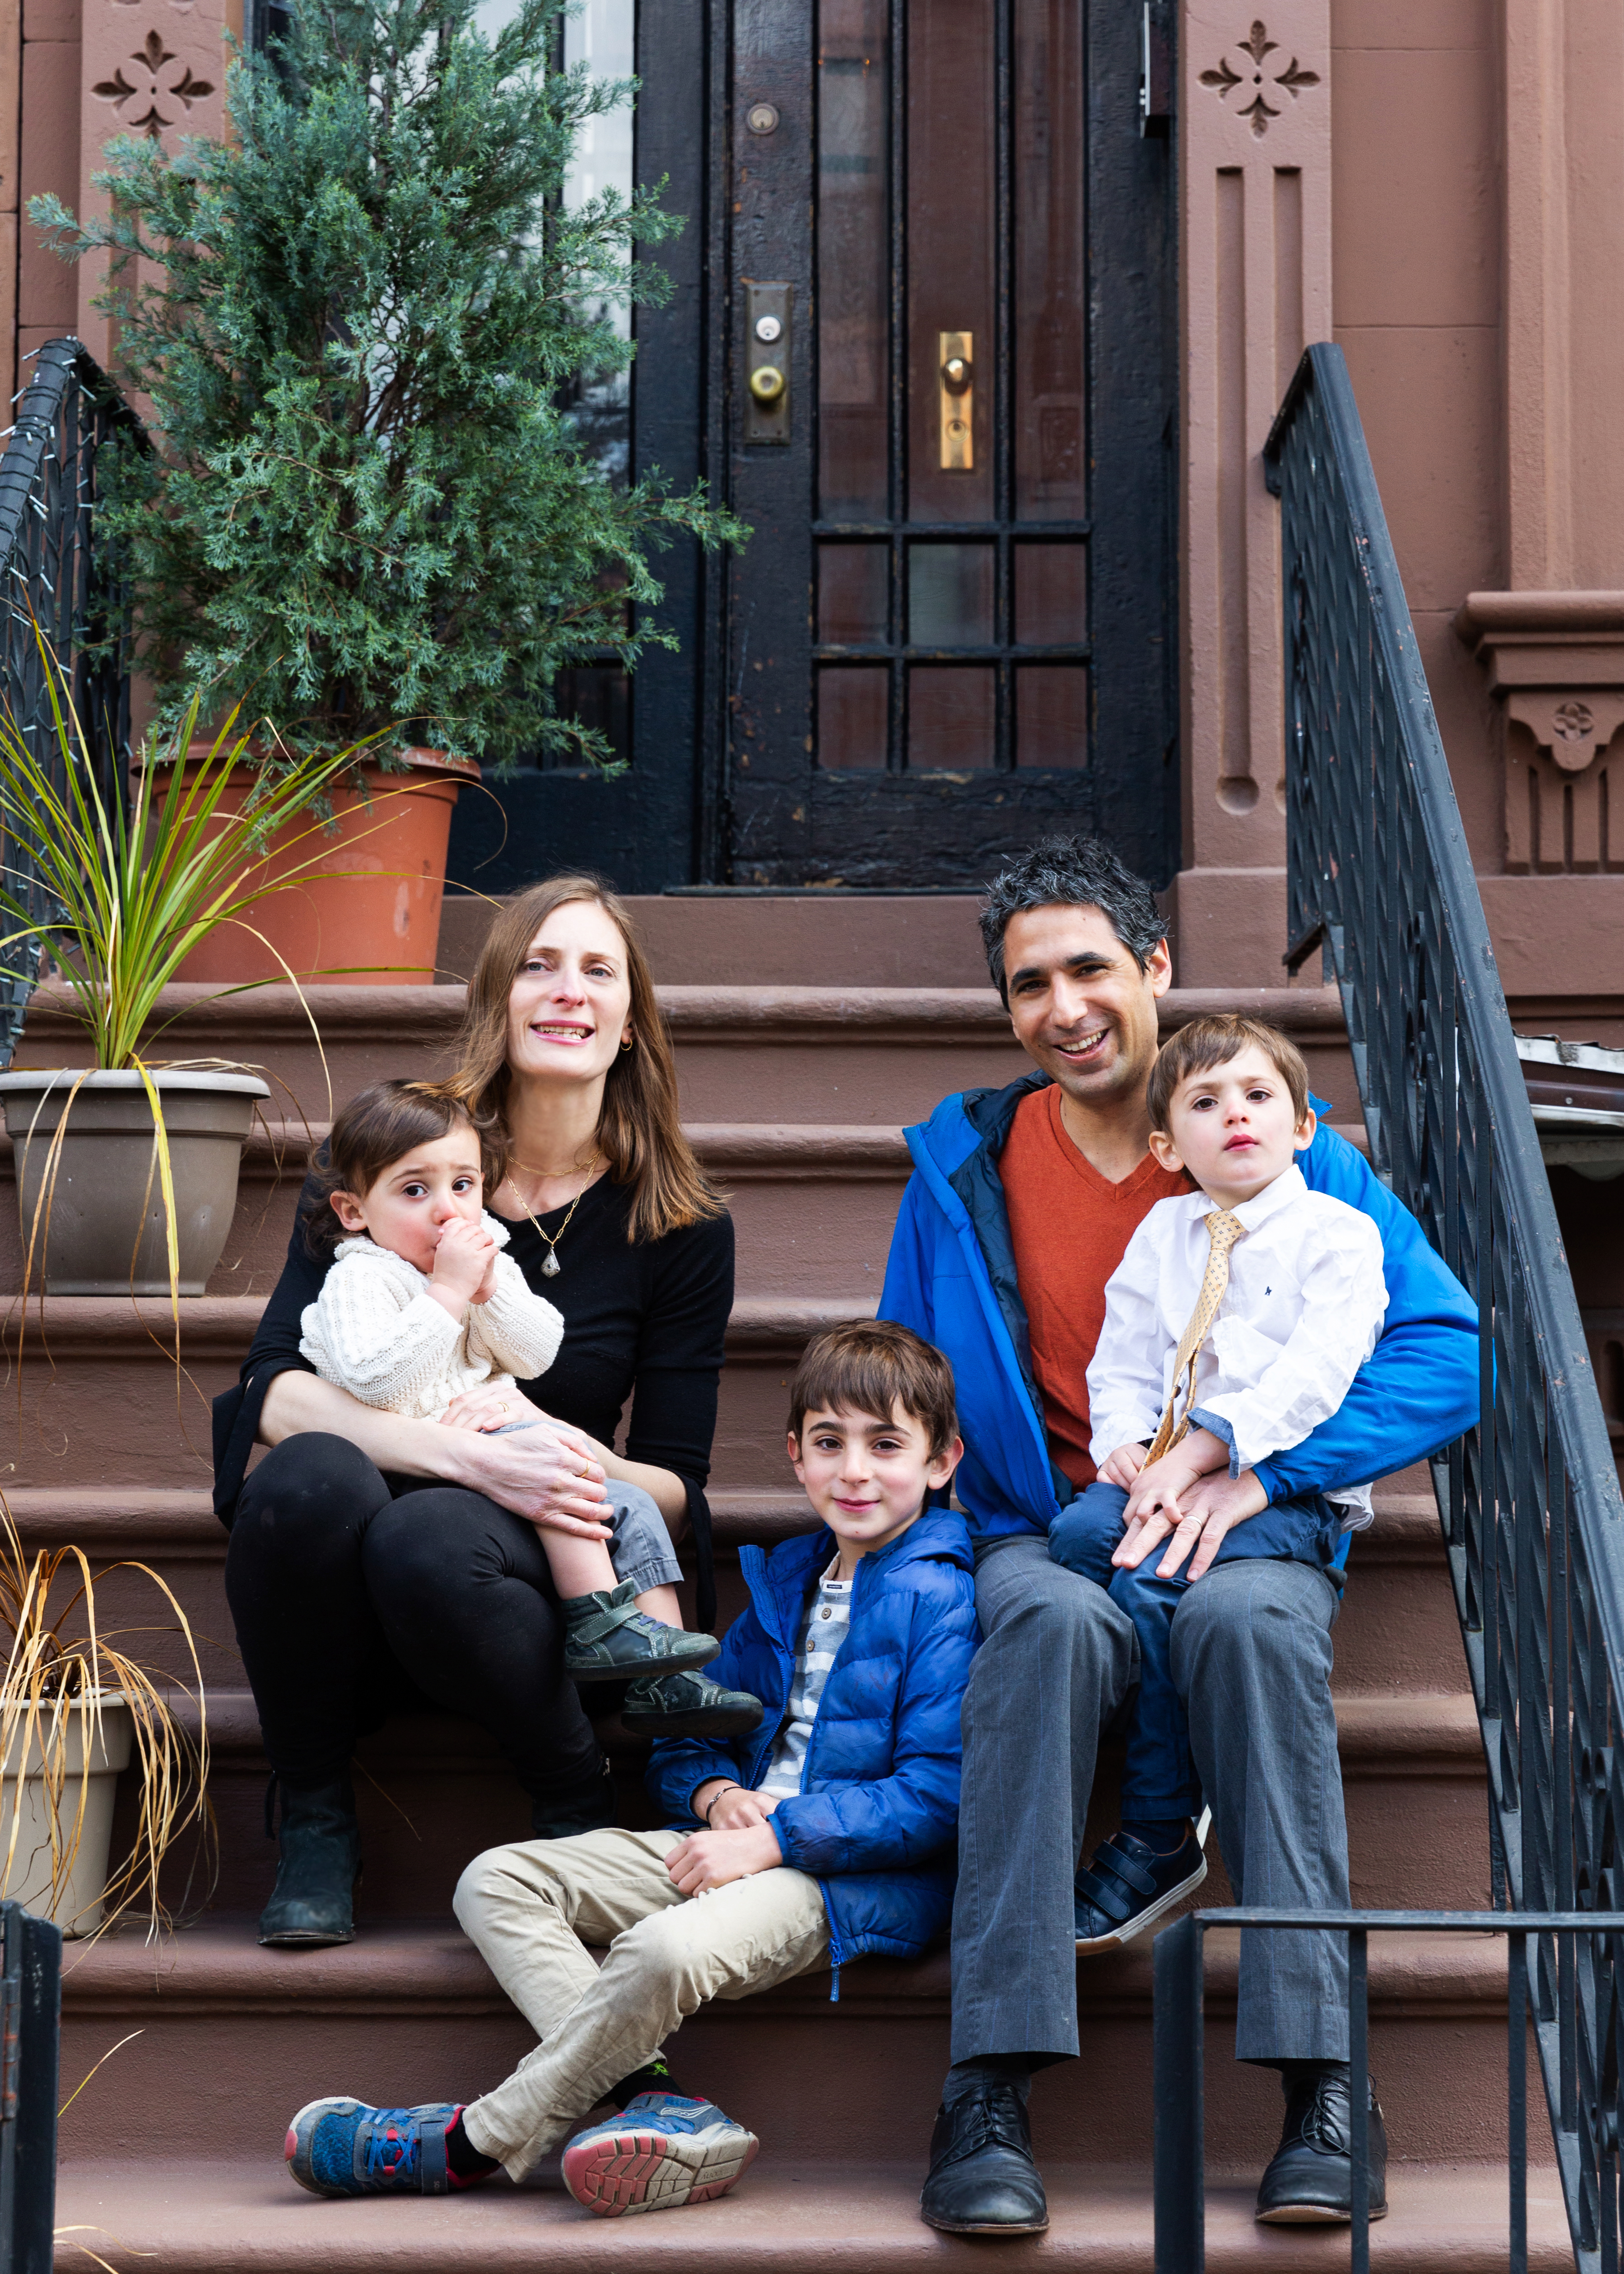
951	1276
875	1821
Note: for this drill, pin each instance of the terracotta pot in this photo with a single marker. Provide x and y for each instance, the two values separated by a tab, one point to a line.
94	1231
374	899
81	1897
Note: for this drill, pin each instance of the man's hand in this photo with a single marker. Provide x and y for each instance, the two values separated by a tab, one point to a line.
728	1807
710	1859
1207	1509
1122	1466
464	1261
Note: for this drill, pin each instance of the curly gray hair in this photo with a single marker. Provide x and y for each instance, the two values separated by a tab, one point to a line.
1070	872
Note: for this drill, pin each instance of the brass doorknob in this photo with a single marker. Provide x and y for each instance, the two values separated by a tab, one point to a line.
956	373
766	383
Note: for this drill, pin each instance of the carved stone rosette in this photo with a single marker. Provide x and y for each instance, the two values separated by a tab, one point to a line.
1555	660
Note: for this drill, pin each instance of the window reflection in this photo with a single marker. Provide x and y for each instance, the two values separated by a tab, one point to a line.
853	92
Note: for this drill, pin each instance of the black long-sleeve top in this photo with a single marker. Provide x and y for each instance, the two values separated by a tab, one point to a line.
644	1321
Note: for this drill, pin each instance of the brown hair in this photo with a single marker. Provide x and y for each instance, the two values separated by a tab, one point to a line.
1209	1043
873	1366
380	1124
640	1128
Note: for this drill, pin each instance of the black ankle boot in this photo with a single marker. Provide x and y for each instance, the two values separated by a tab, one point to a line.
313	1900
587	1807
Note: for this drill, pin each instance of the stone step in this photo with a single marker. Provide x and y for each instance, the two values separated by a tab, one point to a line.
246	2217
733	938
432	1789
234	2038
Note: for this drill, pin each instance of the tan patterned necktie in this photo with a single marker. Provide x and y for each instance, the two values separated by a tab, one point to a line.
1223	1229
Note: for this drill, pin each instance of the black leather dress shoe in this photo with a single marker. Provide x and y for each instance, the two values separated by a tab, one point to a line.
983	2180
1310	2181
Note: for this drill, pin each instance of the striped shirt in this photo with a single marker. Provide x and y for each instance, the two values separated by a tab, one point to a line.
827	1622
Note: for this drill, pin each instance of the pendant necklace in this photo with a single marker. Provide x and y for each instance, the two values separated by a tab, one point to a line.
550	1265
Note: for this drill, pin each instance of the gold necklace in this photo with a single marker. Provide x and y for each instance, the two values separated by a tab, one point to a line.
551	1267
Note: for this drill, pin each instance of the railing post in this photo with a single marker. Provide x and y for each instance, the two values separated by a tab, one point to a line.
1358	2087
30	2039
1180	2180
1516	2095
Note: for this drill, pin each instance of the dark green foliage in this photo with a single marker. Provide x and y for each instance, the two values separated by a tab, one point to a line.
352	323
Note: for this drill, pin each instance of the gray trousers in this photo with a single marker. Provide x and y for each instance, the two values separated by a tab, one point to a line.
1251	1659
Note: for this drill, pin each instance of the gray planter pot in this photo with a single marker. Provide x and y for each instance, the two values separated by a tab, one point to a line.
104	1231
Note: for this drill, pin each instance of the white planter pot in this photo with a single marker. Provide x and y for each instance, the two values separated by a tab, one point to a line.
78	1905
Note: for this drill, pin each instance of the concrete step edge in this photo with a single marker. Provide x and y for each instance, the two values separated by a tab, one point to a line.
138	1520
429	1967
1414	1733
349	1015
222	1326
246	2217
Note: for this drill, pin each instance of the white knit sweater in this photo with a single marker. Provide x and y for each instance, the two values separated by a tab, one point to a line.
376	1331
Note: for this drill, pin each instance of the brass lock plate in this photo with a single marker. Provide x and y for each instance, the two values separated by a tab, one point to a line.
769	340
956	401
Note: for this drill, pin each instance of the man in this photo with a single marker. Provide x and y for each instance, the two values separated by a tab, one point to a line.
1020	1207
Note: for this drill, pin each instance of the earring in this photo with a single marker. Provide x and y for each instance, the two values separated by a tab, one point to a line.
626	1045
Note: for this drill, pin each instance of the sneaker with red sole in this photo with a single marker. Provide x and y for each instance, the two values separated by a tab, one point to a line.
661	2150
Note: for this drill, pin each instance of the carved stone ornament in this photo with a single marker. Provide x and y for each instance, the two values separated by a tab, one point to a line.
150	75
1246	72
1555	660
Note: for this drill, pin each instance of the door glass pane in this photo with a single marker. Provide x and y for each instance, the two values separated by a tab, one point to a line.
1051	715
950	718
950	153
852	95
1049	442
949	595
852	713
851	581
599	696
1051	595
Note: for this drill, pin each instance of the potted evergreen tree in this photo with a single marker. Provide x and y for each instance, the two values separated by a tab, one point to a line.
368	512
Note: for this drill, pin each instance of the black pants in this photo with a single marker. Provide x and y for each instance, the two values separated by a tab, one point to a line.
356	1597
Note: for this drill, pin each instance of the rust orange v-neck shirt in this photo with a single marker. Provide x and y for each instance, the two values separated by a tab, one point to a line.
1070	1226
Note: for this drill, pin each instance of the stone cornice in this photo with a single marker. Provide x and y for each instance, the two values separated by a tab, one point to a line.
1557	660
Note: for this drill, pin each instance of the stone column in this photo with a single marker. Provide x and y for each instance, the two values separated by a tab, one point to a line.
1255	132
152	67
1552	646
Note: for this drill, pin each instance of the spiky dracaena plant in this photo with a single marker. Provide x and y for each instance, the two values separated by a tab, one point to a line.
353	321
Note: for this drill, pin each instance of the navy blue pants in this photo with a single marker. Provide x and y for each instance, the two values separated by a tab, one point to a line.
1159	1781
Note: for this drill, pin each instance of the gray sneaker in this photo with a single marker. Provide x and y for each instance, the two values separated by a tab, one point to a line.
607	1639
689	1706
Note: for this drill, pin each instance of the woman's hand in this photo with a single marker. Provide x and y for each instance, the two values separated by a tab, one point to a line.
547	1473
710	1859
490	1409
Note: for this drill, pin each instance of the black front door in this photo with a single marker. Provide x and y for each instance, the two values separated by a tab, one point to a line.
923	338
954	625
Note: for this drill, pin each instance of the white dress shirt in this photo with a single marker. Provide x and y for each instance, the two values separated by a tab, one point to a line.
1301	1314
376	1331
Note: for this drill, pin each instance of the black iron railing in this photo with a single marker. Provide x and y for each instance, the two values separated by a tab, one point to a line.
1180	2212
55	574
1381	878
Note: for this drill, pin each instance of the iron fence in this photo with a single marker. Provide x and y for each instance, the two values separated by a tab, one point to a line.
1381	878
1180	2212
57	573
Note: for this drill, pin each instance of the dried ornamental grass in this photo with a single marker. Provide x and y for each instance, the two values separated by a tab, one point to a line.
56	1684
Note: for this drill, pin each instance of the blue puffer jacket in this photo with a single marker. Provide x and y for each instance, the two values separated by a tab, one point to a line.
951	1276
876	1819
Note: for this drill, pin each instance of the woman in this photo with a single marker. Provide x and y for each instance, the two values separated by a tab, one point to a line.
375	1562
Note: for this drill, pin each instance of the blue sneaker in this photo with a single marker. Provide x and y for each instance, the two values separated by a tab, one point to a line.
661	2151
1128	1887
345	2148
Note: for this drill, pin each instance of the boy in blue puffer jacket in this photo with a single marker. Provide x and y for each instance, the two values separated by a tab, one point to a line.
826	1833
